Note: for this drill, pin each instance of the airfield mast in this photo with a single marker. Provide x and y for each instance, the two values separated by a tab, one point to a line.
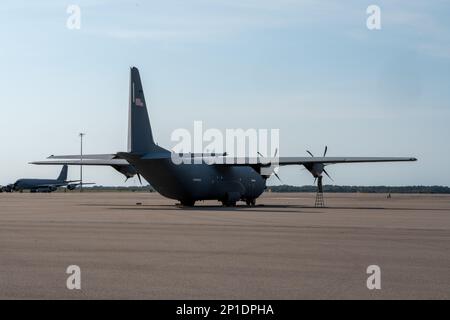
81	160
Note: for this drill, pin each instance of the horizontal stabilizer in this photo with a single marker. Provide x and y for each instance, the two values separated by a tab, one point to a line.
100	162
85	156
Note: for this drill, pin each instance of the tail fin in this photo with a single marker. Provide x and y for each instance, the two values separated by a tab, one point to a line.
140	137
63	174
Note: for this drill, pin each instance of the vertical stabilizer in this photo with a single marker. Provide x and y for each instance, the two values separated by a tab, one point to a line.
140	137
63	174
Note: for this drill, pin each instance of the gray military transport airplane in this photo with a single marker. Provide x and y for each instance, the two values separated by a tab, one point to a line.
44	185
225	181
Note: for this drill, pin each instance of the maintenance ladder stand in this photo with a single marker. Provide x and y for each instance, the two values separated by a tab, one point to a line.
320	203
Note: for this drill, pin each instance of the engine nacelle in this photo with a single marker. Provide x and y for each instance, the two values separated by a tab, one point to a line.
71	187
316	169
9	188
128	171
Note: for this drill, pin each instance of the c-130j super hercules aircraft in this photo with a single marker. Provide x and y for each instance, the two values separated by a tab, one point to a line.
190	182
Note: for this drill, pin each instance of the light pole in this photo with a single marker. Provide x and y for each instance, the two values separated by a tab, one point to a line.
81	161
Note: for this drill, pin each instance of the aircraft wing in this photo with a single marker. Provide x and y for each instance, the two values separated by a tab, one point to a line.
120	165
226	161
285	161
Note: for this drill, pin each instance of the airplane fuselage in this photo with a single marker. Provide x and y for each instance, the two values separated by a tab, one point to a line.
37	184
193	182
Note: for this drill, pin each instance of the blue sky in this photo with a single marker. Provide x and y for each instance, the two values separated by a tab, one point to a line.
310	68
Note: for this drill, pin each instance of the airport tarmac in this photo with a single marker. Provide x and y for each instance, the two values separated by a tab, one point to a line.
282	249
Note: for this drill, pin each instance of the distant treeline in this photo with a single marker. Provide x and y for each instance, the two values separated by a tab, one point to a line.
369	189
147	188
309	188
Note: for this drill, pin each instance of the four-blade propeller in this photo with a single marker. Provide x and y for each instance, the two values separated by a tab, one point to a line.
274	156
317	169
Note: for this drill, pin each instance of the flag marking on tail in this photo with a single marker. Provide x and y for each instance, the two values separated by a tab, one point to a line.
139	102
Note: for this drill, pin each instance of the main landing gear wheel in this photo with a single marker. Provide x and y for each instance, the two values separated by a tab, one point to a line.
188	203
229	203
250	202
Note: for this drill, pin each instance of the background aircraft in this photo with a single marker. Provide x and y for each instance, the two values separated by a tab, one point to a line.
44	185
228	182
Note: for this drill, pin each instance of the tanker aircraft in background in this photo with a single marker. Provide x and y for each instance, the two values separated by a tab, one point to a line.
44	185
